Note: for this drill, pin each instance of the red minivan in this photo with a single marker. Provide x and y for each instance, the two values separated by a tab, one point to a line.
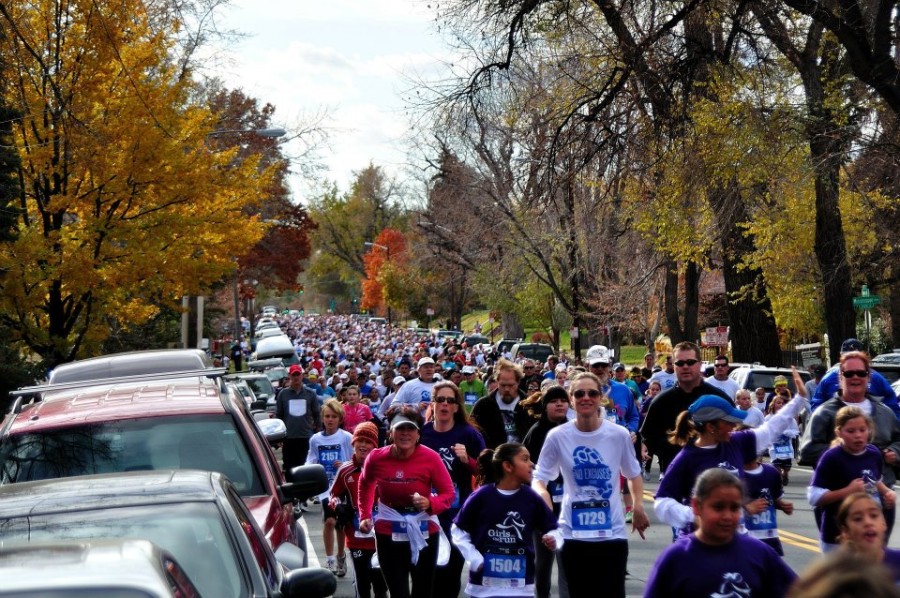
122	424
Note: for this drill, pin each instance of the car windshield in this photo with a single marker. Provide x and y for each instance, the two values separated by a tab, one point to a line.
767	380
208	442
193	532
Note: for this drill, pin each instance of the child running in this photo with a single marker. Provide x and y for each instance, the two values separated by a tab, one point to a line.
765	494
715	560
494	528
345	502
782	450
851	465
330	448
863	532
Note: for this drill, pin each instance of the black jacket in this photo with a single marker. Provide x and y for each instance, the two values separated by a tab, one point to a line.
487	415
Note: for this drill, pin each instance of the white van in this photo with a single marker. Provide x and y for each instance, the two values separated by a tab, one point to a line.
268	332
277	346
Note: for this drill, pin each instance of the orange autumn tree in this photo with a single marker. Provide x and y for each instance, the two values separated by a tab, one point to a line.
385	264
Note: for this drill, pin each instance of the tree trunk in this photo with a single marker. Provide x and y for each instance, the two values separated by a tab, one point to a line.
687	330
753	333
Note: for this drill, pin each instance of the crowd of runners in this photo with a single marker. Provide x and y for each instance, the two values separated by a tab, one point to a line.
444	456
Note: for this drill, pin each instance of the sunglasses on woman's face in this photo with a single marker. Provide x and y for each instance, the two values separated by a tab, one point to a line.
444	399
854	373
579	394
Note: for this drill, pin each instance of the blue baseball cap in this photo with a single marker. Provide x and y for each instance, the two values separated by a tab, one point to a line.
709	408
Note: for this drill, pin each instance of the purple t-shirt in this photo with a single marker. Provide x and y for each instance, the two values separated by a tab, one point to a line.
892	562
837	468
692	460
744	567
501	527
442	443
764	483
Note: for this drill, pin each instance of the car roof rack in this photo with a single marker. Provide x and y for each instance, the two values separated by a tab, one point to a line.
37	390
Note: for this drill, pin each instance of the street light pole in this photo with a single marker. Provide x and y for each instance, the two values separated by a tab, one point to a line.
387	251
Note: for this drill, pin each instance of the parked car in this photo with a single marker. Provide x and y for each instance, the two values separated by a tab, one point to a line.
276	346
196	516
133	363
259	383
475	339
504	345
890	370
246	392
442	334
378	321
539	352
120	568
190	423
709	369
892	357
754	376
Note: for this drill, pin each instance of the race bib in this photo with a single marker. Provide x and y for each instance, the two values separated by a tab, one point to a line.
471	398
504	569
327	456
783	449
762	525
591	519
399	532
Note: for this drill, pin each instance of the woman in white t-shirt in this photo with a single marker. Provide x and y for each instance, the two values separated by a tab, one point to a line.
591	454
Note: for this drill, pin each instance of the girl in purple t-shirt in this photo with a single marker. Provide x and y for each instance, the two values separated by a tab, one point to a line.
863	532
715	560
853	465
494	529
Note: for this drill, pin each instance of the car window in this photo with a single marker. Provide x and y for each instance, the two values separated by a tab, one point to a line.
264	557
261	385
207	442
192	532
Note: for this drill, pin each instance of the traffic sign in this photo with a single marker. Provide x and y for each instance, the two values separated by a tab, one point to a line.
866	302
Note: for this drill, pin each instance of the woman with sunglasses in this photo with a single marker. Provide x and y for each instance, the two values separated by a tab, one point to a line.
705	433
412	487
820	431
590	453
452	436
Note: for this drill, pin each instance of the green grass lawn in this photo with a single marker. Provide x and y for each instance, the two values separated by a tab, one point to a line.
631	354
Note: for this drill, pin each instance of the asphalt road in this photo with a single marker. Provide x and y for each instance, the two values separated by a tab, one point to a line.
798	536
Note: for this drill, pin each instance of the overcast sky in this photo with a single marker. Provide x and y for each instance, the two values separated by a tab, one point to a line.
347	55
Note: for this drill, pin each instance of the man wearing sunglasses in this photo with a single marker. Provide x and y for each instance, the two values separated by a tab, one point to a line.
667	405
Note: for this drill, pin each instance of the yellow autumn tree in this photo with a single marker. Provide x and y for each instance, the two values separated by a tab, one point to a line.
124	205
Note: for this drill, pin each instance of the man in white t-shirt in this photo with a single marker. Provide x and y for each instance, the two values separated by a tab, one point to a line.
720	378
666	377
418	390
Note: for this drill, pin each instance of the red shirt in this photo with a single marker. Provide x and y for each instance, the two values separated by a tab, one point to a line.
355	415
396	480
346	488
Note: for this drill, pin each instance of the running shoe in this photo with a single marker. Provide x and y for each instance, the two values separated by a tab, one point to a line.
646	476
331	564
341	565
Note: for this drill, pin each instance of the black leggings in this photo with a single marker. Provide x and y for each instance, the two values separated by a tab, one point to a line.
395	559
586	562
365	577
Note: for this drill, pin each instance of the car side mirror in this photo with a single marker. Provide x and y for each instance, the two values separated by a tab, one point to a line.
314	582
305	482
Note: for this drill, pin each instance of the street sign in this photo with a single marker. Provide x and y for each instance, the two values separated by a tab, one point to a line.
717	337
866	302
